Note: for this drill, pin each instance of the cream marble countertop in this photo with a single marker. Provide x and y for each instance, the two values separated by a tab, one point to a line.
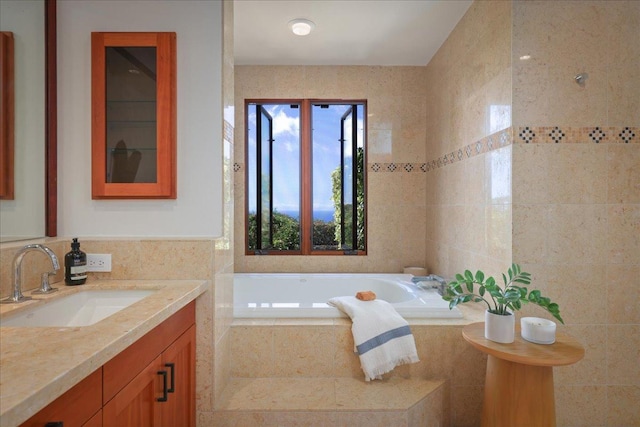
39	364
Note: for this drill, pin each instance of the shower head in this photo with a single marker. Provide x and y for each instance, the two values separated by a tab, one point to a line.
581	78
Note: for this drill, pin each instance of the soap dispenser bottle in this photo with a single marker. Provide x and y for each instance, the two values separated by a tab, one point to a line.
75	265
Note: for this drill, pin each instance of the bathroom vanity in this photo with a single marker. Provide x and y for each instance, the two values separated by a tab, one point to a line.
136	367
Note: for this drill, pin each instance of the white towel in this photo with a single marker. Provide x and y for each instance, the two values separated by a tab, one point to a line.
382	337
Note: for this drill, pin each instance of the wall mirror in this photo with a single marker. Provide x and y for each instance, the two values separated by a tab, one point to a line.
31	213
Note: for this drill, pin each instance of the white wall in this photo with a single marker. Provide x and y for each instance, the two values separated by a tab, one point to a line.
198	209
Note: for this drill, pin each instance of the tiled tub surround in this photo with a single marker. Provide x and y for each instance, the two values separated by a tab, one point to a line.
33	374
305	370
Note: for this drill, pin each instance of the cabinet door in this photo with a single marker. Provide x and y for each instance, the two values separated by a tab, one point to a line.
179	360
95	421
136	405
133	96
75	407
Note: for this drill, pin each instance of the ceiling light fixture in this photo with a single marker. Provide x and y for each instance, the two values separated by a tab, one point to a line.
301	27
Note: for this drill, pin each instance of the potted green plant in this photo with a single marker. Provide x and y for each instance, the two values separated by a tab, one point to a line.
501	301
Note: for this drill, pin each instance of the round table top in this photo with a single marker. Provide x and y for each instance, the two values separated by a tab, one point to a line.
565	351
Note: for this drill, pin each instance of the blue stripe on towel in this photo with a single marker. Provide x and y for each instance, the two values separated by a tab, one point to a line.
383	338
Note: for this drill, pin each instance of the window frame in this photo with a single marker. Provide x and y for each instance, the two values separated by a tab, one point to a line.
306	174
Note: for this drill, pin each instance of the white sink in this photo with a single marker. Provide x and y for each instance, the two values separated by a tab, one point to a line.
80	309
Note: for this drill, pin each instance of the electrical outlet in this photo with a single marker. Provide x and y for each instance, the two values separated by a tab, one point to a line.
99	262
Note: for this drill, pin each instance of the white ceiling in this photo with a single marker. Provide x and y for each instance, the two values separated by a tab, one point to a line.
347	32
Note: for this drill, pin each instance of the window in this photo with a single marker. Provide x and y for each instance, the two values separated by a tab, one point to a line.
305	177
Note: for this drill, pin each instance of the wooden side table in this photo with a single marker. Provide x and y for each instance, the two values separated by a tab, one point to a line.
518	390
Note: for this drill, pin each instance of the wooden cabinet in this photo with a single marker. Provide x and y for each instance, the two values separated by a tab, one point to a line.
133	109
151	383
136	404
75	408
163	394
179	409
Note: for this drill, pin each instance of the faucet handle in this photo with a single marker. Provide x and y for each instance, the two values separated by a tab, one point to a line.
45	287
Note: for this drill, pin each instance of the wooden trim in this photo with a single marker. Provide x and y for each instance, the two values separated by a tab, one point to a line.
165	186
7	116
51	167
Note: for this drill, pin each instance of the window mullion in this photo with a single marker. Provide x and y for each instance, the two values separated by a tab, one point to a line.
342	212
354	178
306	211
258	178
270	183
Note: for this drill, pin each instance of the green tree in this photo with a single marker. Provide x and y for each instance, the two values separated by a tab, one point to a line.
286	233
336	184
323	234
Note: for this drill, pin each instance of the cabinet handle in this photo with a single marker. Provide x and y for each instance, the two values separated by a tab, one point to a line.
54	424
164	386
172	366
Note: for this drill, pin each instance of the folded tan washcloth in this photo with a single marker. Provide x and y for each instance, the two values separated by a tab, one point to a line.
366	295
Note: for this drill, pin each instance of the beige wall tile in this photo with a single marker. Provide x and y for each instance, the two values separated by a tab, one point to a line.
497	178
578	406
305	351
623	357
623	173
592	370
623	231
529	233
498	232
622	406
576	233
577	173
623	296
259	360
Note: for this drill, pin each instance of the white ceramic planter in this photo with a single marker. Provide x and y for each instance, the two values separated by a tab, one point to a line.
499	328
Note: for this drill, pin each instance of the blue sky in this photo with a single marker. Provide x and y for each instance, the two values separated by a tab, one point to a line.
286	154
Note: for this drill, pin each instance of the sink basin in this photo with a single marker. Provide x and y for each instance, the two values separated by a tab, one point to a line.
80	309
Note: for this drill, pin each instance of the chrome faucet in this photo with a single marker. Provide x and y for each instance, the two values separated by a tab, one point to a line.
16	294
442	283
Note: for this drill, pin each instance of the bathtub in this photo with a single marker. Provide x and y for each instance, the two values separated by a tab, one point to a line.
272	295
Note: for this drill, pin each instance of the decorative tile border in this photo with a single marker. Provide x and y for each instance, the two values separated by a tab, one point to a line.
573	135
521	135
492	142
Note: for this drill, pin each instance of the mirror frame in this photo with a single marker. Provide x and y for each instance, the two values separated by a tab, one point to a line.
51	124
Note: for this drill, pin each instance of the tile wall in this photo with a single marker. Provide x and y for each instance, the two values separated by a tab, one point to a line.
396	159
576	192
469	144
469	141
